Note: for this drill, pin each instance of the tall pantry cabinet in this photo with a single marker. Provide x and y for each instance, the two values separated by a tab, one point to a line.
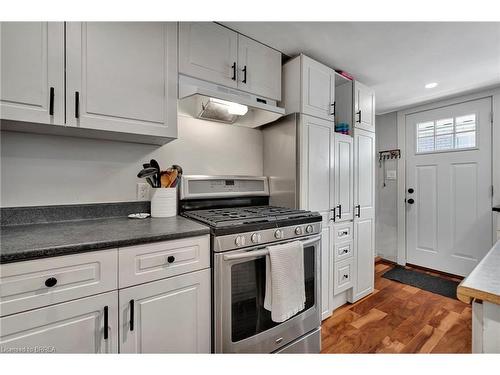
335	173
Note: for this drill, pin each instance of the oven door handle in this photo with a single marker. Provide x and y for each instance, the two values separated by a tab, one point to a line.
257	253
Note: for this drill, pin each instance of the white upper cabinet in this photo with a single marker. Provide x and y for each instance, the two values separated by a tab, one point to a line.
32	72
122	77
344	175
309	88
168	316
219	55
208	51
364	107
259	68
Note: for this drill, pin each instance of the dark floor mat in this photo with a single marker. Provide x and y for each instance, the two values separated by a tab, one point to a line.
433	284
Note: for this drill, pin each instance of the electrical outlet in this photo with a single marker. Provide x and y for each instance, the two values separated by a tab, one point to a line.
142	191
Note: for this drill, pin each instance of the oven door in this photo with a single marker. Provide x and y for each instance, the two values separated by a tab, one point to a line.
242	324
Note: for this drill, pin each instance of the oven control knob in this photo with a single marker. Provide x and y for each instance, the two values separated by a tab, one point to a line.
278	234
298	231
240	241
309	229
255	238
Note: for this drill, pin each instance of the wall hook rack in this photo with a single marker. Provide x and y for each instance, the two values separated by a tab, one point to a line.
388	154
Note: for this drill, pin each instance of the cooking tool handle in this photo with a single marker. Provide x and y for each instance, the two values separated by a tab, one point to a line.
257	253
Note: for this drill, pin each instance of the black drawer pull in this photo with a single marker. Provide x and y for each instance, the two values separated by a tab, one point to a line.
333	107
340	211
50	282
359	116
234	71
131	323
51	102
244	74
77	104
334	214
358	209
105	322
346	276
171	259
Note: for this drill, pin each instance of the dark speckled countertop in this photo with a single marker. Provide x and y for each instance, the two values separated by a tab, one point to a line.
32	241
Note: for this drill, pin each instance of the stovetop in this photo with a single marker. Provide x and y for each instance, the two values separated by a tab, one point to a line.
237	216
231	220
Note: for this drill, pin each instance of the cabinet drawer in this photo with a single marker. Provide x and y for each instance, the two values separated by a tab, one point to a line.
343	276
342	232
143	263
27	285
344	250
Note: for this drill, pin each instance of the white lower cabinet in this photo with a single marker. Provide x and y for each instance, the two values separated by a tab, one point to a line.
86	325
326	241
167	316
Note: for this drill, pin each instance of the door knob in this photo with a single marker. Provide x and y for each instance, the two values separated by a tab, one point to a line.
411	201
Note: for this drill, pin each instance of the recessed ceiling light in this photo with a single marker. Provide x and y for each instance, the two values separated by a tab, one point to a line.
431	85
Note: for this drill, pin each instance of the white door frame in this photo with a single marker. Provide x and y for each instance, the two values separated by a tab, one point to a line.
494	94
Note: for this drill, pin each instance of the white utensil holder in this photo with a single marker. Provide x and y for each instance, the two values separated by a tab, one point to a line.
164	202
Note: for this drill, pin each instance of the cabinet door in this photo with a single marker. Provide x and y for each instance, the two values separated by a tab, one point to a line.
316	164
260	68
318	89
32	71
70	327
326	284
364	104
364	213
167	316
344	177
122	77
208	51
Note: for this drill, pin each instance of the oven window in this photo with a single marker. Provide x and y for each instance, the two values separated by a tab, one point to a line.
248	285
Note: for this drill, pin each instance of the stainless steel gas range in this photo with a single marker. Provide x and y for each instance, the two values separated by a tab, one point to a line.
242	225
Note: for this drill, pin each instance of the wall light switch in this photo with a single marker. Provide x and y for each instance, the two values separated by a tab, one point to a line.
142	191
391	174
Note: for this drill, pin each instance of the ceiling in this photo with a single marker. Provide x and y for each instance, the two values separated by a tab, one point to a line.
395	58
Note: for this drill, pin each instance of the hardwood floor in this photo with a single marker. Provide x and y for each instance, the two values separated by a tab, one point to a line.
399	318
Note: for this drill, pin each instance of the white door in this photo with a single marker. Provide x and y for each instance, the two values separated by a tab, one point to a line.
208	51
71	327
122	77
318	89
364	214
344	177
448	168
364	107
167	316
259	68
32	71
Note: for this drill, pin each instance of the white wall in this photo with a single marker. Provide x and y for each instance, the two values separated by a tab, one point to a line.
47	170
386	222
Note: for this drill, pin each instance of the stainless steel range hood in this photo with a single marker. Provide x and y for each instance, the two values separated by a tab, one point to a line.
209	101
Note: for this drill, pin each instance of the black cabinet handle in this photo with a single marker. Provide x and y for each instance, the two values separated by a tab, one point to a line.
333	106
77	104
346	276
244	74
131	306
339	215
105	322
411	201
51	102
171	259
50	282
359	116
334	214
411	191
234	71
358	211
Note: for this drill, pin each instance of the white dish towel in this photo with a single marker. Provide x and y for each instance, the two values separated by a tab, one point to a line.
285	290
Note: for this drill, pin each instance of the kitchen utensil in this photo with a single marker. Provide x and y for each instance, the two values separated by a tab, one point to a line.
178	167
141	215
154	164
168	177
150	182
147	172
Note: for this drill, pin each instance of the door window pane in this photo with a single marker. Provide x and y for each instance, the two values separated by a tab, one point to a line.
447	134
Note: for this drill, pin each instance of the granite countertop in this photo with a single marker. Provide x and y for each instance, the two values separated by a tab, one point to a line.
484	281
32	241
